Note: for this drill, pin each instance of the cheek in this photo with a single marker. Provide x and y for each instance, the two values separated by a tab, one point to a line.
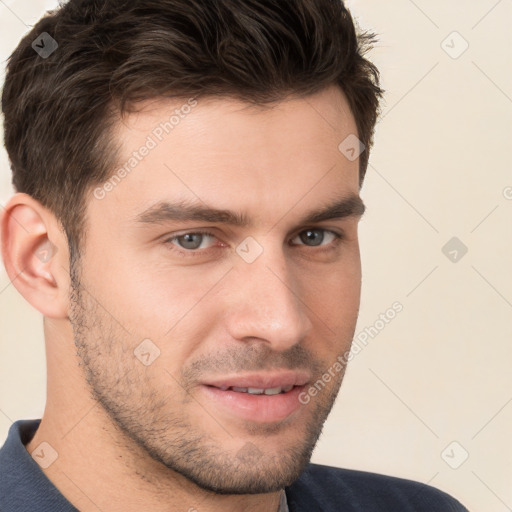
170	305
334	289
332	297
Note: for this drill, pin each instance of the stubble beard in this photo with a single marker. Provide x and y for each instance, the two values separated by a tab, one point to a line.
120	384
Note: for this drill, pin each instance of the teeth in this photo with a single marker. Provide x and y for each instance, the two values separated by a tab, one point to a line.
259	391
255	391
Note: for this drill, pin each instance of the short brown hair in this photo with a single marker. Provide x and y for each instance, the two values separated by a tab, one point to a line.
59	110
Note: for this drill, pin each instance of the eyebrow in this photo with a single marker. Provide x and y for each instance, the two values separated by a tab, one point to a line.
182	211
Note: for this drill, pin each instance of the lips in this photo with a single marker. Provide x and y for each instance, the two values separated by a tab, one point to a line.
260	398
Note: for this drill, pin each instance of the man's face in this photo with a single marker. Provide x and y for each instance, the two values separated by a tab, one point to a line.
198	345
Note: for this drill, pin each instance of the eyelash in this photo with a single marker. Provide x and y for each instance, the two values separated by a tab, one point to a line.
338	237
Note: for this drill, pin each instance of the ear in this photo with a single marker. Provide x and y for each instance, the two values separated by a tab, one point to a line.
36	255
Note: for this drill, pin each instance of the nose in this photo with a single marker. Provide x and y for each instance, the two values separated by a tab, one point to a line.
265	303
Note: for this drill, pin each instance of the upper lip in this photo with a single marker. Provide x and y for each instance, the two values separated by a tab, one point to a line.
262	380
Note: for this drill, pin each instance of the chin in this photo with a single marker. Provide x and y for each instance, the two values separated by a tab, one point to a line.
242	479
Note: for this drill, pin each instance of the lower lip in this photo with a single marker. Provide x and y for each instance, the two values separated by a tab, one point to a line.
256	408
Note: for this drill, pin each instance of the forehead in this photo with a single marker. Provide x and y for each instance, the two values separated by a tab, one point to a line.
226	152
229	123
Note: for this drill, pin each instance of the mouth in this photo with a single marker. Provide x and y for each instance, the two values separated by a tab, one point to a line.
262	398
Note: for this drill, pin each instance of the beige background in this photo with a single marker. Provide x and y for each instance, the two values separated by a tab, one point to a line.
439	372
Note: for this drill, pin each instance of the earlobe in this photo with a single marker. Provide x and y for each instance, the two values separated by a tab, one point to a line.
33	246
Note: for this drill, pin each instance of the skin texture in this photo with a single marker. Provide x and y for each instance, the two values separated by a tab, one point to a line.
131	436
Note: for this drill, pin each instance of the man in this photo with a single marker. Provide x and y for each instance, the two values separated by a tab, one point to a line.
187	178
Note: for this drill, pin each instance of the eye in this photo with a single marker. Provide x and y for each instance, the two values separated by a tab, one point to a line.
315	237
191	241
